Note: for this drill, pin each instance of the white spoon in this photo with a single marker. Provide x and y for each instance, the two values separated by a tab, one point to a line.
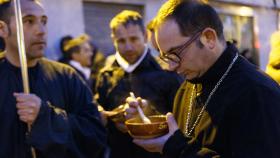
144	118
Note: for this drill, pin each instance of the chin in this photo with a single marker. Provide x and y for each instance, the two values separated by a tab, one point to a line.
131	61
35	55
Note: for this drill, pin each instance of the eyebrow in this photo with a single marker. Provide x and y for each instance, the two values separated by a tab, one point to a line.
173	48
32	16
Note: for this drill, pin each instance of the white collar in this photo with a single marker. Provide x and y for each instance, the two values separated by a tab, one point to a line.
125	65
85	70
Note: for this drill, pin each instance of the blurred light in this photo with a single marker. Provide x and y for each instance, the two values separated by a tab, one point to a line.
245	11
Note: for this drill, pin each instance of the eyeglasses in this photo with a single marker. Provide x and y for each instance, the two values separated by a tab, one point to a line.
174	55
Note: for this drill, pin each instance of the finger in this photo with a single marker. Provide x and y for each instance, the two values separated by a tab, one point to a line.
23	118
130	99
142	142
144	103
133	104
25	105
25	112
172	124
100	108
27	119
108	113
139	101
21	97
130	112
22	106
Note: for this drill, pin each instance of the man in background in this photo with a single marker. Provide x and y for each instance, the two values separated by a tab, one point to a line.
79	51
133	70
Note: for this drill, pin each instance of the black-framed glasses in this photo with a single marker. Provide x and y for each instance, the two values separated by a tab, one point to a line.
174	55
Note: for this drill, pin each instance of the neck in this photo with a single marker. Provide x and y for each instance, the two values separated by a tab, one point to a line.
218	51
13	58
213	57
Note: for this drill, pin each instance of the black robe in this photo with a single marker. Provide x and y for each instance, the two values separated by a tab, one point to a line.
68	124
242	120
148	81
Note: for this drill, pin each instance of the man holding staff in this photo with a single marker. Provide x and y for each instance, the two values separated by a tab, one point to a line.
64	122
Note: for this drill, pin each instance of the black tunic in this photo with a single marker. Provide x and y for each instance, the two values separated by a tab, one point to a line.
242	119
148	81
68	124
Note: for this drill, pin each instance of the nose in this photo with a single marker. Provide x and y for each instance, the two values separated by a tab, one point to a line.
172	66
128	46
41	30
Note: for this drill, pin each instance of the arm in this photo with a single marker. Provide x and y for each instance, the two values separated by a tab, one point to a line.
75	131
255	123
175	144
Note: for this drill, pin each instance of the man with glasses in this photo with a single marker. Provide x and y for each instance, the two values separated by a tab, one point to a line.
226	107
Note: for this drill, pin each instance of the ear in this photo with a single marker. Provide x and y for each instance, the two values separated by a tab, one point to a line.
4	31
75	56
145	36
113	37
209	38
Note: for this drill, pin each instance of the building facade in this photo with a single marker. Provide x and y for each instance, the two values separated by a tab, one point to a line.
249	22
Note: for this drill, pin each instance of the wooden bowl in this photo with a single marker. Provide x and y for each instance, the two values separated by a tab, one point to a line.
138	129
117	114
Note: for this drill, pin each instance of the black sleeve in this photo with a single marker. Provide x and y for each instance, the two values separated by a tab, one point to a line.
72	132
254	129
102	85
179	146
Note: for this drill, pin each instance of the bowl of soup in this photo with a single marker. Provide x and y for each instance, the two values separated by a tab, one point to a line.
140	130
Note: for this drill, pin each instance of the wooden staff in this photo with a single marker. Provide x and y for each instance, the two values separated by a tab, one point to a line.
22	56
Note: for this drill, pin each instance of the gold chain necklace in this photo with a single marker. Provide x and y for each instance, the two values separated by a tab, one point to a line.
187	131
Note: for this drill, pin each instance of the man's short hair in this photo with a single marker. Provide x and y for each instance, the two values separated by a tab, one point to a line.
125	18
6	11
191	16
74	45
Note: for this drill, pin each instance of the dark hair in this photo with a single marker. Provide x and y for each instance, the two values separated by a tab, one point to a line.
191	16
6	11
63	41
71	51
2	44
125	18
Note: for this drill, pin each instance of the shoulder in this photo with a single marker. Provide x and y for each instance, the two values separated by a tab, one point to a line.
55	67
110	67
253	76
247	80
2	56
58	71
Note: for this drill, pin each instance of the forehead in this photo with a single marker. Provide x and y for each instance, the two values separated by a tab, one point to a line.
30	7
85	45
168	35
129	30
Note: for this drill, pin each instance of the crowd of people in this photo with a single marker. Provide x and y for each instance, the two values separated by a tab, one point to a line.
217	104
